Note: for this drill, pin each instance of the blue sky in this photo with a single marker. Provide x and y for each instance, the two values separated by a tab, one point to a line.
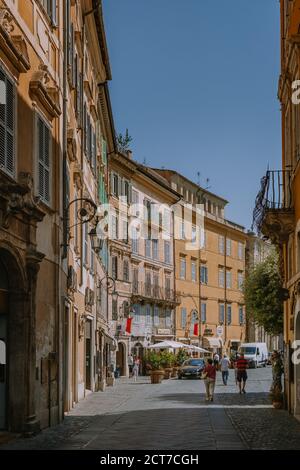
195	82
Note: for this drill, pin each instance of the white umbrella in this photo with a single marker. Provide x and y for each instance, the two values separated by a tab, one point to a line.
166	345
196	348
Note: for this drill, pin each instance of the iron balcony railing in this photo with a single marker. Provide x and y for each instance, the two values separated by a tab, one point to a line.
154	291
275	194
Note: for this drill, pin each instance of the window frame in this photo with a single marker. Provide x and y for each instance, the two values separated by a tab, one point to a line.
11	79
39	115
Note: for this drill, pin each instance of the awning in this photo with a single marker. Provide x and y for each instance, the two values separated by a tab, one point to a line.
211	342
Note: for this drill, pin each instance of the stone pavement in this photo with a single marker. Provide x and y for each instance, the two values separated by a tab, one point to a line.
173	415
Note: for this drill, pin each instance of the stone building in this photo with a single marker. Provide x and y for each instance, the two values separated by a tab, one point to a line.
90	138
277	211
210	268
33	279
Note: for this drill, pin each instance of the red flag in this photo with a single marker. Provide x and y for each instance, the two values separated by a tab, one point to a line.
128	325
196	329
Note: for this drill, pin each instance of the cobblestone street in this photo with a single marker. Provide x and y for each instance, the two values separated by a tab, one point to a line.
173	415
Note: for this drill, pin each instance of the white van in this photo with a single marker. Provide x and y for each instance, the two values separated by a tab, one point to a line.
255	353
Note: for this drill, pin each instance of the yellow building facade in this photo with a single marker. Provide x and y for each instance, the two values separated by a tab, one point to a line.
209	278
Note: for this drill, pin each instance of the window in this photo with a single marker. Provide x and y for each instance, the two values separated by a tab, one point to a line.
7	126
135	241
228	278
125	231
148	284
167	252
182	268
155	249
203	312
114	267
228	247
241	314
168	318
114	227
194	273
148	248
126	191
50	8
229	314
43	149
221	244
137	313
148	315
182	234
221	277
126	270
156	315
240	280
135	200
155	285
221	313
114	306
168	287
183	317
241	250
115	184
135	280
204	274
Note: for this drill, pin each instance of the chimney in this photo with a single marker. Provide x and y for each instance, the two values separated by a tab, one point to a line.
129	154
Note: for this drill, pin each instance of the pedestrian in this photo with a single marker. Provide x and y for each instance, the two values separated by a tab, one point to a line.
130	364
224	363
242	366
216	360
209	374
135	369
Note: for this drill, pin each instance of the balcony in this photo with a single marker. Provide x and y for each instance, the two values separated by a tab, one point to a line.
142	291
273	215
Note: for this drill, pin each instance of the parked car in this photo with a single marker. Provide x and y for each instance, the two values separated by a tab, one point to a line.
255	353
191	368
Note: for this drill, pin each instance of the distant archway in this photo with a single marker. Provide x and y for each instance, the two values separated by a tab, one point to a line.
121	359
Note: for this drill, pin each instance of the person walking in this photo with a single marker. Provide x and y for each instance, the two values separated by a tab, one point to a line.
135	369
216	360
242	366
130	364
225	368
209	373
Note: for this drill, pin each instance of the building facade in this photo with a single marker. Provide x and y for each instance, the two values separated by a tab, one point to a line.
33	279
210	271
89	345
277	212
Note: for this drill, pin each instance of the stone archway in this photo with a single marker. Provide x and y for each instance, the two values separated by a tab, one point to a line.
297	366
14	321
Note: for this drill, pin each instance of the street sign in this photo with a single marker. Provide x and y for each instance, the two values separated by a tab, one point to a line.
219	330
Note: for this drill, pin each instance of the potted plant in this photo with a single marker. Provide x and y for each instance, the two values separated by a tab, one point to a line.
277	398
167	359
154	366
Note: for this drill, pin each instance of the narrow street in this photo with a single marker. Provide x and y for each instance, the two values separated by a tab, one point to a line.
173	415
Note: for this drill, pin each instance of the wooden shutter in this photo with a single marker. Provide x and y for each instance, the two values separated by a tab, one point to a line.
7	127
43	160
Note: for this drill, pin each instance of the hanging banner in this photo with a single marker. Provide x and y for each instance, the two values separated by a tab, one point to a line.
128	325
196	329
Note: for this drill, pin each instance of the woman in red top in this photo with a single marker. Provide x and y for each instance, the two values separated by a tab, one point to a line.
210	379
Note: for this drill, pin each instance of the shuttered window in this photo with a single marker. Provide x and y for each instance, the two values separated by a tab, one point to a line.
7	125
44	160
50	7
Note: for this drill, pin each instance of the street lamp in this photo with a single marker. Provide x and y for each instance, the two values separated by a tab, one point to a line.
85	214
110	284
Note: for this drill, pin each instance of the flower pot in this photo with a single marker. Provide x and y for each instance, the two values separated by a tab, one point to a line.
174	372
156	376
277	405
